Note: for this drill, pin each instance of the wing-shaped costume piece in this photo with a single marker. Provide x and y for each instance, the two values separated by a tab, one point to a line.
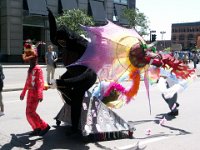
115	54
109	48
108	54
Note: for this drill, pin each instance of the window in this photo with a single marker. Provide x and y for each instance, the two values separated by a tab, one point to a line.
124	2
190	37
121	1
68	4
174	38
98	10
118	9
181	37
37	7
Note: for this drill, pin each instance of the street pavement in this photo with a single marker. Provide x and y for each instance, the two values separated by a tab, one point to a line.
13	70
180	133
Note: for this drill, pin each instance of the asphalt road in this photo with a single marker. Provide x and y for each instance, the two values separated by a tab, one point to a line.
180	133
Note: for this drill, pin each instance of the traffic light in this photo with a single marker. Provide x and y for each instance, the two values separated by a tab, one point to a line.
153	37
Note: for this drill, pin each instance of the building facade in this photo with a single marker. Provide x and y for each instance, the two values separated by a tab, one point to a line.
27	19
186	34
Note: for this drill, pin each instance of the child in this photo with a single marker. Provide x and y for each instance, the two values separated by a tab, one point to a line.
35	85
2	77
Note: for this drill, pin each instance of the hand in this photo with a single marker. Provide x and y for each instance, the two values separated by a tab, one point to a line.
46	86
21	98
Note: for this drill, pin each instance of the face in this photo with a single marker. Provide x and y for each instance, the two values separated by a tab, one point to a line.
136	57
50	48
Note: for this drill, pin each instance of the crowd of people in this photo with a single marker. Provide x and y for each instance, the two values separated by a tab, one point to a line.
188	57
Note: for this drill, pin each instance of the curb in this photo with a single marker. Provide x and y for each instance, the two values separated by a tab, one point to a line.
14	89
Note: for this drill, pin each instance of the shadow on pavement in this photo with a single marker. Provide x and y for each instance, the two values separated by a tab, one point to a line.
167	117
54	139
158	118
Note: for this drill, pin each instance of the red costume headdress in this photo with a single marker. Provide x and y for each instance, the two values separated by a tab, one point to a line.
29	52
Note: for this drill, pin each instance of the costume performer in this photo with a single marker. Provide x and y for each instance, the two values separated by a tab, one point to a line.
170	84
77	79
35	86
167	82
112	56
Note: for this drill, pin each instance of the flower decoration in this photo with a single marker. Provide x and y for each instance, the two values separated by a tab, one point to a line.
113	92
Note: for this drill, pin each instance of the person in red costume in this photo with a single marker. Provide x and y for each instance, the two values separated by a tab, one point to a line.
35	86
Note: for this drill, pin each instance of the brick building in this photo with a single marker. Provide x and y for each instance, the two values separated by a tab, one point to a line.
23	19
186	34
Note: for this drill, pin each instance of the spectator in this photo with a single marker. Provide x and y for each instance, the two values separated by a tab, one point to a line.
195	60
50	59
176	55
185	59
2	77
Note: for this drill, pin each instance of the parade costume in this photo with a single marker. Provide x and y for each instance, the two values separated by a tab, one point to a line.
35	86
169	85
77	79
114	54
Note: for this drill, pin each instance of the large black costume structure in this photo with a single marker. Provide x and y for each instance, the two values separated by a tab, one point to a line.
74	84
77	79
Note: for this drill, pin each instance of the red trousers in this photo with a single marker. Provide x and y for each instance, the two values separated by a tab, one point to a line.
33	118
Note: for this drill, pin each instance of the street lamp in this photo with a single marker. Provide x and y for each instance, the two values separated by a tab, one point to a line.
162	35
152	31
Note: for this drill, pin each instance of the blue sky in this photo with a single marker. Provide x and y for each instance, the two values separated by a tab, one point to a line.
162	13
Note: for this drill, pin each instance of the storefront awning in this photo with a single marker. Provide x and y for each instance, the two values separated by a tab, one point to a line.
69	4
98	10
119	10
37	7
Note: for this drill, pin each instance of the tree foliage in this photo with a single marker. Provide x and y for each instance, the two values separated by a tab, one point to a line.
136	20
73	19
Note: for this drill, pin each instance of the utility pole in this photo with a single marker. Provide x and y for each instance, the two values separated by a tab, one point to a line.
162	37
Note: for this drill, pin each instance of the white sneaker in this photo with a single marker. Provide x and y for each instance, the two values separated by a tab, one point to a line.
1	113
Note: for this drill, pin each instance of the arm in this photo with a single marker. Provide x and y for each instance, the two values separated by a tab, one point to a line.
38	43
55	56
39	84
23	93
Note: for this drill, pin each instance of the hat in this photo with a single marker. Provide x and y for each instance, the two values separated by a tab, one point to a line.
30	52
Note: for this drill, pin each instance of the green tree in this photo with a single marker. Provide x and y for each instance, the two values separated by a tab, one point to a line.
73	19
136	20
